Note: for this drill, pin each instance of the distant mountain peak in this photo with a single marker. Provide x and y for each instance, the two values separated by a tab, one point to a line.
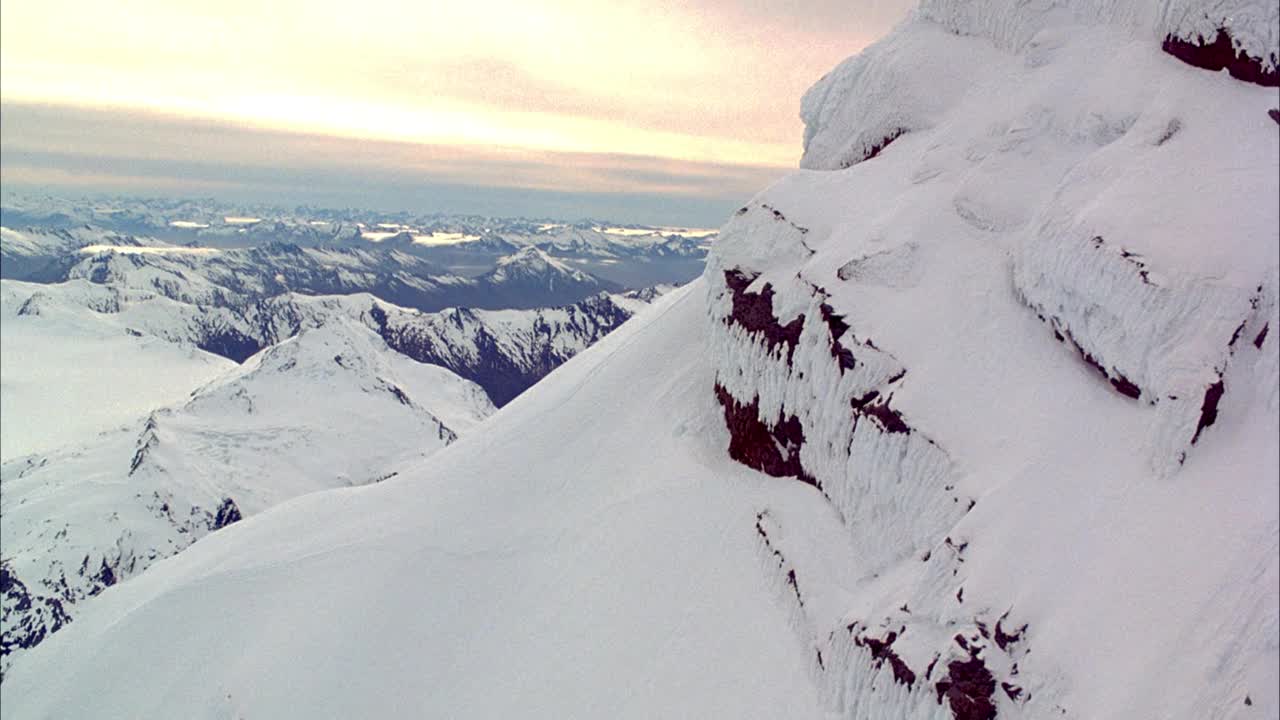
533	262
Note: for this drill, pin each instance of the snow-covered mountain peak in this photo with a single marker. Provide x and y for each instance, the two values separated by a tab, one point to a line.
333	406
531	261
343	352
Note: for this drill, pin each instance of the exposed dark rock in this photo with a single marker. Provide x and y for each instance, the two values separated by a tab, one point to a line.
795	586
771	450
229	343
1262	336
1209	408
399	394
1013	691
969	689
876	407
227	513
379	316
838	327
777	215
1236	335
146	441
1220	53
1117	380
882	652
875	149
106	575
1125	387
884	143
754	313
1274	114
1004	638
27	619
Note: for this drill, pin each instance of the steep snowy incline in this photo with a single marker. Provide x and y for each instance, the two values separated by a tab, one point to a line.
585	553
330	407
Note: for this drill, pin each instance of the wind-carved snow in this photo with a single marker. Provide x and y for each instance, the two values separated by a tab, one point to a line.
911	79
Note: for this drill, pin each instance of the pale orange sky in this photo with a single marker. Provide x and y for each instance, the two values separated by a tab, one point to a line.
695	81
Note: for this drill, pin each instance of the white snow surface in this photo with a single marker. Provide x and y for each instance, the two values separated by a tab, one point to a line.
330	407
67	374
911	79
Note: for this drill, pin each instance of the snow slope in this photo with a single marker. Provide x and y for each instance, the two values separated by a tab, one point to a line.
65	376
330	407
501	578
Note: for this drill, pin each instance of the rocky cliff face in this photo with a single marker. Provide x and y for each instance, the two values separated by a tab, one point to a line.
1029	205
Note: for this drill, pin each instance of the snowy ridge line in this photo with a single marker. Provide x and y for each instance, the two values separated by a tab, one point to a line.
1012	24
906	81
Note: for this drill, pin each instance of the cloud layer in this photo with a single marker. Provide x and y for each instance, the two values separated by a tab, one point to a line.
499	90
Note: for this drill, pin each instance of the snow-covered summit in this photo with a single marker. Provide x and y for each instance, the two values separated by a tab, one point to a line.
532	261
946	51
531	269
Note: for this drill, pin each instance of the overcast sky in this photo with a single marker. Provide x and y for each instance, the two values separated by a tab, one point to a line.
667	112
